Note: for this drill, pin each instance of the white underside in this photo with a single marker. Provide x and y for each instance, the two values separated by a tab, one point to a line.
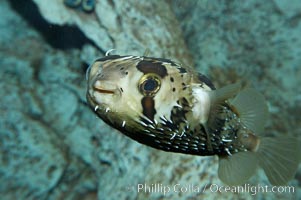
201	106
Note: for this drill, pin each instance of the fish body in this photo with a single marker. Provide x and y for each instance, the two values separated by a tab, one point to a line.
162	104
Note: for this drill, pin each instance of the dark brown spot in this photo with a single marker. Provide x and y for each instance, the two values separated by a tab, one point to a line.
171	79
161	60
148	105
206	80
182	70
152	67
173	89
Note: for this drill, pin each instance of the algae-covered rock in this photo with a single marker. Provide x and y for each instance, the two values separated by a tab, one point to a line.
124	25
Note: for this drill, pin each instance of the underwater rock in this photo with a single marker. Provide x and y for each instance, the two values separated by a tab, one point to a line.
289	8
124	25
30	158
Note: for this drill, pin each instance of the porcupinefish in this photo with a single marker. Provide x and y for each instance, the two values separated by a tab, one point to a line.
167	106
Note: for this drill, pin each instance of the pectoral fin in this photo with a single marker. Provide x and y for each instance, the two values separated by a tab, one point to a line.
251	109
218	97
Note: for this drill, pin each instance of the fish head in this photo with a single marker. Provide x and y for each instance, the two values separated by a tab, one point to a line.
150	100
131	89
111	89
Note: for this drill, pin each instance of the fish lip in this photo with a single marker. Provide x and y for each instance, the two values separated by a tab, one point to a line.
103	91
103	87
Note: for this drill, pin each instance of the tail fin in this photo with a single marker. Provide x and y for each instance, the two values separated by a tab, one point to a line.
279	157
238	168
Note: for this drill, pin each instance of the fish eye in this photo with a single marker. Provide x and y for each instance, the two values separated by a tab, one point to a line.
149	84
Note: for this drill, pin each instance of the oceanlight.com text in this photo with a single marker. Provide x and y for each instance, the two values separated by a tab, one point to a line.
211	188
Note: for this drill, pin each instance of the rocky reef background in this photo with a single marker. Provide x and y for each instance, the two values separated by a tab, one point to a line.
52	146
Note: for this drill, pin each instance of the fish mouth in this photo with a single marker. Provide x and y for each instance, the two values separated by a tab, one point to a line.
103	91
103	87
